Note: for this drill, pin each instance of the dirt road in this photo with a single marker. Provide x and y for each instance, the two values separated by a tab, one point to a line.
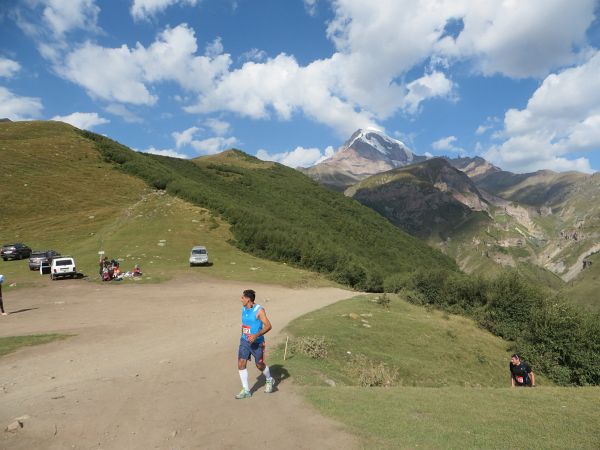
151	366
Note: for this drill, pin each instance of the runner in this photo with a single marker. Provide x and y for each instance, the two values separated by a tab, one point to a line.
520	372
254	326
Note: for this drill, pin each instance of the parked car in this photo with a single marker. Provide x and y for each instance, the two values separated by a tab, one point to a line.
15	251
38	257
63	266
199	256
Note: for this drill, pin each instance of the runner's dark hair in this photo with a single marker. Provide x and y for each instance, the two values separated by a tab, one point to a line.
249	293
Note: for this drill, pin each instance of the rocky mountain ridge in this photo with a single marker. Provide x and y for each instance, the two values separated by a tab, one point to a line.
482	216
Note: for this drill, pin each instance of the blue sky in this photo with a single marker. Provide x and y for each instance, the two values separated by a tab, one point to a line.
515	82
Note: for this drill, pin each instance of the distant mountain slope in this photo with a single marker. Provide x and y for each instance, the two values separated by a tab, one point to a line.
475	168
424	199
366	153
542	188
278	213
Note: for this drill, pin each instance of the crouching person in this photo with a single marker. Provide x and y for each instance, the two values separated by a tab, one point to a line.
520	372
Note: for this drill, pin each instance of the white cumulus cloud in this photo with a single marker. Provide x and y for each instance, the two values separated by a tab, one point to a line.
445	143
8	67
85	121
562	116
15	107
218	127
62	16
126	75
206	146
299	157
448	144
184	137
213	145
429	86
145	9
165	152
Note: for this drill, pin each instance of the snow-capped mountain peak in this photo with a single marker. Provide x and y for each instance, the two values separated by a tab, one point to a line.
376	139
364	141
367	152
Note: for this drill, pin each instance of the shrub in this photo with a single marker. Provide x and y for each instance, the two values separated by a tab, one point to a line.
368	373
312	346
383	300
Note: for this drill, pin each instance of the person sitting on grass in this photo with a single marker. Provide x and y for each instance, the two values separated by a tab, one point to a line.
520	372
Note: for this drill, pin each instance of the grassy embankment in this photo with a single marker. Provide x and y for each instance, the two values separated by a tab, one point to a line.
57	193
451	387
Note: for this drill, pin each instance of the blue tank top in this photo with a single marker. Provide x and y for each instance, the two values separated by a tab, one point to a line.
251	324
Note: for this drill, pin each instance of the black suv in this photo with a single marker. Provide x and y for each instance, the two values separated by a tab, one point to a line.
38	258
15	251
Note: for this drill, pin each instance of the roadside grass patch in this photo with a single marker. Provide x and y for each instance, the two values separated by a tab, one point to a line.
12	343
466	418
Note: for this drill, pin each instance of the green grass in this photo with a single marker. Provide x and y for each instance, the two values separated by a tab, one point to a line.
465	418
13	343
427	347
66	198
453	386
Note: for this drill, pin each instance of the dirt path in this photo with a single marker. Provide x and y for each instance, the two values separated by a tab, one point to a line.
151	367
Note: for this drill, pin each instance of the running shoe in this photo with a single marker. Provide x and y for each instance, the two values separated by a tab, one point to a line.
243	394
269	386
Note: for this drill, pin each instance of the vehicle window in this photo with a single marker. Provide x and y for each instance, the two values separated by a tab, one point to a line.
199	252
38	255
63	262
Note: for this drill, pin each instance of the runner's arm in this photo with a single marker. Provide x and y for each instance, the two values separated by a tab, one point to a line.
532	378
262	316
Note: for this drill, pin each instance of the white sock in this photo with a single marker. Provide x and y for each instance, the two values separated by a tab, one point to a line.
267	373
244	378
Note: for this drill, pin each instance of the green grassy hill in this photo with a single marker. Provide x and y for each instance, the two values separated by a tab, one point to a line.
585	289
449	383
280	214
57	193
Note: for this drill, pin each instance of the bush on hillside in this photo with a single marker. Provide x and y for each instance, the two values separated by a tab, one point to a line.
368	373
559	339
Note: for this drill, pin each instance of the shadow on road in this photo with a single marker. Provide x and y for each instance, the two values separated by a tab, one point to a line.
278	372
22	310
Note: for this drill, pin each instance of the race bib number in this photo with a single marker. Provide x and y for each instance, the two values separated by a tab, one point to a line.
520	380
245	330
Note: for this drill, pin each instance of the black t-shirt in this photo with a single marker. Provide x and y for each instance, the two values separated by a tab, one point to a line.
520	373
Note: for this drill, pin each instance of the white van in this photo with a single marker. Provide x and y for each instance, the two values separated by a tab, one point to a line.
199	256
62	267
